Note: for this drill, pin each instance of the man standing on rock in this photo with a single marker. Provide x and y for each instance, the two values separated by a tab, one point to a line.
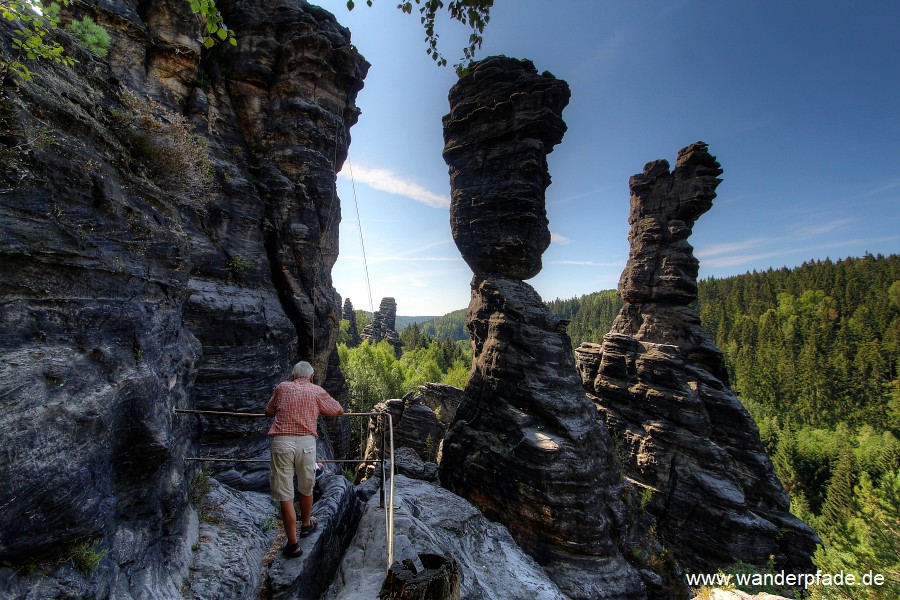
296	406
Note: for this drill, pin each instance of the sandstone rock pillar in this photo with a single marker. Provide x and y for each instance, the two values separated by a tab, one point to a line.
383	326
526	445
662	384
349	315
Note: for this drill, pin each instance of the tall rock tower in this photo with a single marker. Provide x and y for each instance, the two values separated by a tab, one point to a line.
382	326
526	446
663	386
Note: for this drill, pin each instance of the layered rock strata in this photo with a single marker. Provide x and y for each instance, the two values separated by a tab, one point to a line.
349	315
663	387
281	117
129	289
420	421
383	324
526	446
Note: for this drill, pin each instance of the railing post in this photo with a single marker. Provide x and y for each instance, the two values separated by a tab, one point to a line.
389	525
383	473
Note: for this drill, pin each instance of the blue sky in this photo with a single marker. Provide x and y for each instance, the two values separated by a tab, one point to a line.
799	101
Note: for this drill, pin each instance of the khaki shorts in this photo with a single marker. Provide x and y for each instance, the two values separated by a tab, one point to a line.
292	454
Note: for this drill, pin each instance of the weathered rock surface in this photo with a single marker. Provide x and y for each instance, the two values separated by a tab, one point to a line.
428	519
663	387
384	320
349	315
408	462
123	295
236	530
504	119
420	420
282	117
442	399
338	511
526	446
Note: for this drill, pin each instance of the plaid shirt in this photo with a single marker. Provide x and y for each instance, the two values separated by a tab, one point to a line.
296	406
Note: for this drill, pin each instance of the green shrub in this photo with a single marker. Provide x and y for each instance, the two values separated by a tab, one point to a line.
86	556
90	35
199	488
238	264
173	155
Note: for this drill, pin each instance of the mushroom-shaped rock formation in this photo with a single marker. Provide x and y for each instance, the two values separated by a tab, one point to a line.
504	120
526	445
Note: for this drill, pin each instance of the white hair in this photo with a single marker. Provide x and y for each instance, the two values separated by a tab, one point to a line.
302	369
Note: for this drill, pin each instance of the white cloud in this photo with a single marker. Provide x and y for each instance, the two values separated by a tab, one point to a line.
585	263
785	248
738	259
720	249
808	230
386	181
881	189
556	238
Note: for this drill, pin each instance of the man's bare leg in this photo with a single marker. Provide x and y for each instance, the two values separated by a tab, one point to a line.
289	518
306	503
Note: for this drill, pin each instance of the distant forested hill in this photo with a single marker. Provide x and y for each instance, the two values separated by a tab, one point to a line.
818	343
451	326
404	322
590	317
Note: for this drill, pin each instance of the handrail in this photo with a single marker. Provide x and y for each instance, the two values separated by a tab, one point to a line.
389	512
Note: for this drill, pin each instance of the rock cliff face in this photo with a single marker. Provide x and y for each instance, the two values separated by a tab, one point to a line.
663	387
125	292
526	446
382	326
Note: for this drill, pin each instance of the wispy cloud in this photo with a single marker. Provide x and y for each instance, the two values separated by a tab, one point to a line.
382	258
593	193
557	238
585	263
603	54
720	249
734	260
387	181
753	250
810	230
423	278
401	258
881	189
785	247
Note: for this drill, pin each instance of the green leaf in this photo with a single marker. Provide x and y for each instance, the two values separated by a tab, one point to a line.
222	33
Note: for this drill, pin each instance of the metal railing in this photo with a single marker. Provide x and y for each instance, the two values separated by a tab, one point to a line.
385	475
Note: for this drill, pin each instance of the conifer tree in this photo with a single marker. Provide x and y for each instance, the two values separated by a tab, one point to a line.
838	505
785	461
